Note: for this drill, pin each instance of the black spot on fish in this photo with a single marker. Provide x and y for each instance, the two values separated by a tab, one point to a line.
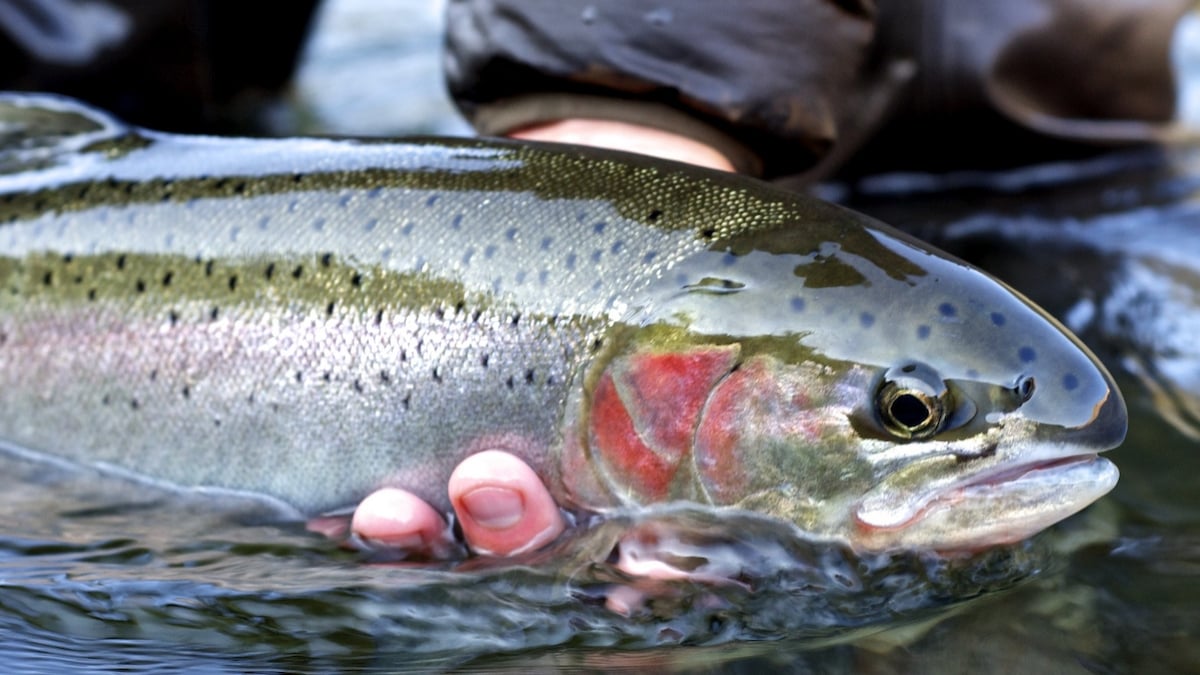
370	224
329	308
299	270
173	317
270	271
186	391
166	280
998	319
153	375
212	314
654	215
106	399
134	404
459	307
598	228
407	400
475	314
68	258
358	386
379	318
866	319
299	376
327	376
947	310
139	286
121	261
708	233
326	259
356	280
923	332
91	294
208	268
384	377
440	313
597	344
437	375
516	318
233	282
797	303
240	188
484	360
78	279
456	222
1027	354
509	382
529	376
1070	382
216	421
47	279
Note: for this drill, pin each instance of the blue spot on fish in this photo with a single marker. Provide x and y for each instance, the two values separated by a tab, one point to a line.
370	224
998	318
571	261
947	310
1026	354
649	257
617	246
866	319
431	201
598	228
972	374
456	223
489	251
1070	382
923	332
729	260
797	304
318	224
596	255
546	242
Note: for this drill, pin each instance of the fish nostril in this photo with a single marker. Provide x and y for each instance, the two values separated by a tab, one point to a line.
1025	388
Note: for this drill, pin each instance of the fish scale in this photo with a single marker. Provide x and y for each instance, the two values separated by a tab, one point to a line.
312	319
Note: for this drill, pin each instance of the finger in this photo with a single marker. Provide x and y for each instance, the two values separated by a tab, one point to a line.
401	522
502	506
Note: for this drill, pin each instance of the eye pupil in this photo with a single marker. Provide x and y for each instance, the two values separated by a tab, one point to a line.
909	411
1025	388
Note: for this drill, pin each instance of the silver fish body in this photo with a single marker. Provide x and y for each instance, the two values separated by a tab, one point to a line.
312	319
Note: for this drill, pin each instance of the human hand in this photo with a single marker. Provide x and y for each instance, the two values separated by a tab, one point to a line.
628	137
502	508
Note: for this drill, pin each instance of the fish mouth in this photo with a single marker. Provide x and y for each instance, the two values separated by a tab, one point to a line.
994	507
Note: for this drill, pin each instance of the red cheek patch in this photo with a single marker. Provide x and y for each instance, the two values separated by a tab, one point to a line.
644	413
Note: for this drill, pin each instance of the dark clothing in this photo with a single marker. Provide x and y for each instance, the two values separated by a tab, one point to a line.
177	65
782	86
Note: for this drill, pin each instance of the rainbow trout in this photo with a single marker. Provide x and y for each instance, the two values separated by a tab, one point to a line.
313	319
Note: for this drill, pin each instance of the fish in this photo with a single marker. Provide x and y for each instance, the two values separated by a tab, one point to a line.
312	319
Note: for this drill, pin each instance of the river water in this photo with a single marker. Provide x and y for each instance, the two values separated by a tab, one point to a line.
103	575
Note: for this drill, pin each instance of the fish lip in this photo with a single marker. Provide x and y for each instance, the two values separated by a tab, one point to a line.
994	476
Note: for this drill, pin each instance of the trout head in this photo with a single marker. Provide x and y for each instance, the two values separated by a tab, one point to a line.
861	386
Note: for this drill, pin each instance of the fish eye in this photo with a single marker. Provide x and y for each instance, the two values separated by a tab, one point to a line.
913	402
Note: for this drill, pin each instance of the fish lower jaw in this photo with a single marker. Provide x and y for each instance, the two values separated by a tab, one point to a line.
991	508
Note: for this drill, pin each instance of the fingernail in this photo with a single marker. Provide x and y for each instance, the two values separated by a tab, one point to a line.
495	508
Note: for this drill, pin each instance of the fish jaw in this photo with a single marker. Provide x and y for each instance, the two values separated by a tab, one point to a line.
993	508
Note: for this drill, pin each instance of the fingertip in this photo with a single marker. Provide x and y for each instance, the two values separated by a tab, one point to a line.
398	519
502	506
